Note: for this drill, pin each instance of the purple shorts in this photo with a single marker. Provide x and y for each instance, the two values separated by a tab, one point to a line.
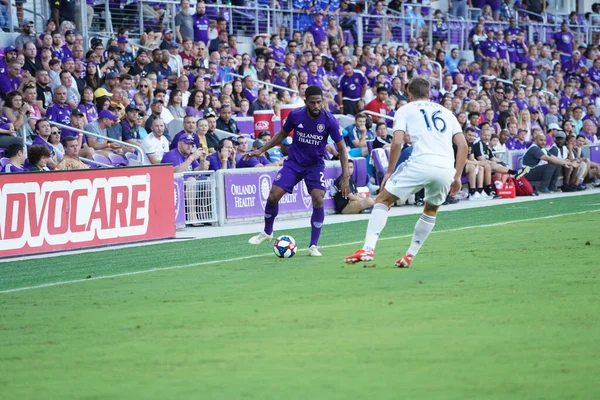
292	173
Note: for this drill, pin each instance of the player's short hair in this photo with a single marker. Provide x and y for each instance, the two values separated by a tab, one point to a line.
313	91
419	87
381	89
351	161
360	115
68	139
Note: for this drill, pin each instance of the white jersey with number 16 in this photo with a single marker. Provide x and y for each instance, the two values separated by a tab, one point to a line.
431	128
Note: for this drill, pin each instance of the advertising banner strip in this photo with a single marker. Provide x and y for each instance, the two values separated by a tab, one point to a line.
246	194
53	211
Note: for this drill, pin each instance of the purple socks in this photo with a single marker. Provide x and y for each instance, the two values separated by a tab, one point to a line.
271	211
316	223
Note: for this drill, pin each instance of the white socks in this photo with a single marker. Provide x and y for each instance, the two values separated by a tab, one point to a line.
423	228
377	222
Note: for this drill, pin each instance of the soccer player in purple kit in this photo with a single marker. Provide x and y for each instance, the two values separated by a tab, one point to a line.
312	126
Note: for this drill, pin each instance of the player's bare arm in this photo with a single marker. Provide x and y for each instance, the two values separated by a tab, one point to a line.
275	140
461	159
345	179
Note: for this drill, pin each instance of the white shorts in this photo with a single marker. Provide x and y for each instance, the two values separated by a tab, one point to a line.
409	178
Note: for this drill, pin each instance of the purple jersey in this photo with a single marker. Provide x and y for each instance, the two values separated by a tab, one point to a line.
200	28
8	85
520	50
502	48
176	158
310	135
489	48
278	53
319	32
38	141
314	80
352	86
59	114
252	162
511	48
516	145
8	168
564	42
594	75
89	110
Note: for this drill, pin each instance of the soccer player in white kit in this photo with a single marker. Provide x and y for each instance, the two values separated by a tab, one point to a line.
433	129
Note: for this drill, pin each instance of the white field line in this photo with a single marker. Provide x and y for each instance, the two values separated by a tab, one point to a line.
46	285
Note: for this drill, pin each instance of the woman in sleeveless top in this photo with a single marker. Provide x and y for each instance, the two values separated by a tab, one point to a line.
335	34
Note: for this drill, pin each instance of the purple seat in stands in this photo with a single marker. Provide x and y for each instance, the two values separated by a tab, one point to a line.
117	160
101	159
595	154
2	152
517	158
132	157
379	158
360	175
4	161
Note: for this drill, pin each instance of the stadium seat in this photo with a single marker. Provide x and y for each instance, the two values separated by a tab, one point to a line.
4	161
595	154
101	159
132	159
516	157
175	126
361	177
117	160
245	125
380	163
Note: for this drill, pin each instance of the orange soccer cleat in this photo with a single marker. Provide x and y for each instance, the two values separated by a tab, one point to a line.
360	255
405	261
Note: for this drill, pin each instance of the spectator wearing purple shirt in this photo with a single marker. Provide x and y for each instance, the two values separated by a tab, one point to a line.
563	41
594	72
520	46
278	52
352	87
16	154
189	125
9	80
223	157
184	157
317	29
512	29
43	131
519	142
59	111
574	65
201	23
67	48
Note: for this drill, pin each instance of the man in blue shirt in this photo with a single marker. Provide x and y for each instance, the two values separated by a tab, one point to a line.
312	126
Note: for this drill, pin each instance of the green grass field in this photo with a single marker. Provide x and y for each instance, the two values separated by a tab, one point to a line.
499	311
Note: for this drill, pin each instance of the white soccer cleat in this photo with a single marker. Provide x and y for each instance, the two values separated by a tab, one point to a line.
260	238
314	252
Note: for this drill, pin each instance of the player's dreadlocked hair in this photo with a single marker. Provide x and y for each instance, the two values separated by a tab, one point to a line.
313	91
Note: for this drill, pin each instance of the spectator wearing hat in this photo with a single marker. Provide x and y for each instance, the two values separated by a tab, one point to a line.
156	110
139	66
112	61
574	65
106	119
544	168
168	39
186	156
78	121
67	48
175	61
552	129
125	54
130	132
220	40
254	162
225	122
27	36
10	55
59	111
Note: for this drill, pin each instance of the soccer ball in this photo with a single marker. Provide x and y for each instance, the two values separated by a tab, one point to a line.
284	246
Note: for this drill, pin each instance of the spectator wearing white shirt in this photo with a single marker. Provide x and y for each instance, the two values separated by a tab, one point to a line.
155	145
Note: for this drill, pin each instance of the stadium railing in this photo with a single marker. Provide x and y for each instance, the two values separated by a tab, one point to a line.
87	133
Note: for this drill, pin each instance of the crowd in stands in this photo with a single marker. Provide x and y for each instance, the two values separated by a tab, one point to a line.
514	94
